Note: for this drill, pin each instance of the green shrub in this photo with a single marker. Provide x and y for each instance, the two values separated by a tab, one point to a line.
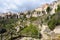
33	18
52	24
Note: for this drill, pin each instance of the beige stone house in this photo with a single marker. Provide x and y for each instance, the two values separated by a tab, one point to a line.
40	11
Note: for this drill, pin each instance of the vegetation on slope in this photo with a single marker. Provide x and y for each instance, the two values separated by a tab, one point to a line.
30	30
58	9
8	22
55	20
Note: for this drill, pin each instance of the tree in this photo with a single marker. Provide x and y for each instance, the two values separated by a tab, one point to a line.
48	11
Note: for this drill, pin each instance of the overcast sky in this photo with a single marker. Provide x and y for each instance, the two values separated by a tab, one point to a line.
20	5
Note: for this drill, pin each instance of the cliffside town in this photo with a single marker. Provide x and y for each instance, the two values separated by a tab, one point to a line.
36	12
42	23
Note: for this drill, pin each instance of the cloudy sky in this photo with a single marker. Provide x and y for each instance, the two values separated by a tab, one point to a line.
20	5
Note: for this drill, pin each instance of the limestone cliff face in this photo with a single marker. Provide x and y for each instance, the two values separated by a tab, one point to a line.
45	32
